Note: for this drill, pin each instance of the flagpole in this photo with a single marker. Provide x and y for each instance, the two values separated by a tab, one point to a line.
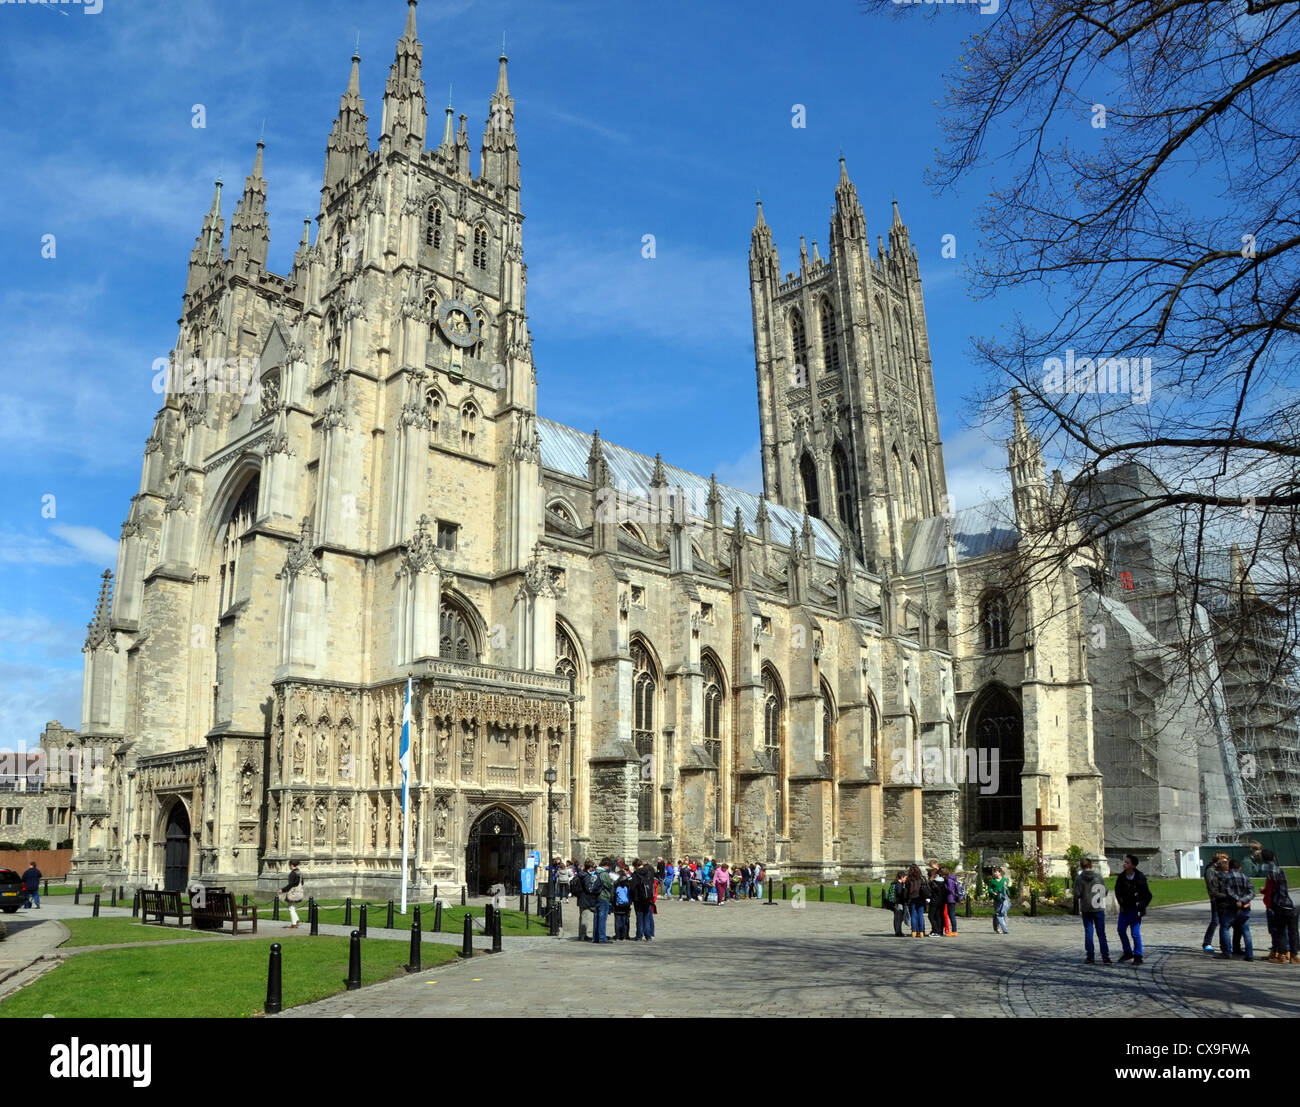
404	759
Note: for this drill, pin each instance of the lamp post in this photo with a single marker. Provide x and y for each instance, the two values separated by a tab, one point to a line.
549	776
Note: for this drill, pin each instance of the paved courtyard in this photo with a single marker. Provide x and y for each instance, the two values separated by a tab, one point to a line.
835	960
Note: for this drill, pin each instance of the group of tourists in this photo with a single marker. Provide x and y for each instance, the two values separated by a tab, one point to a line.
710	881
610	888
935	895
1231	894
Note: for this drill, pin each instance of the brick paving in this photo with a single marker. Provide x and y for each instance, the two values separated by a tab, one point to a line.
833	960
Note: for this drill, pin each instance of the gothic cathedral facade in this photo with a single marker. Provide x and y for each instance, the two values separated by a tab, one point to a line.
603	651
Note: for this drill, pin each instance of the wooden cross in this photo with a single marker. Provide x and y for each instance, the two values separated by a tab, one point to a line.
1038	826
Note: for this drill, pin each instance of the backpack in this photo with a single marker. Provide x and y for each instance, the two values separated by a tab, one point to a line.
891	893
961	892
591	883
621	898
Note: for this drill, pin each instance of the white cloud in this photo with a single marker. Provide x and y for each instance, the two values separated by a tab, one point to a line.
976	466
32	695
91	542
77	546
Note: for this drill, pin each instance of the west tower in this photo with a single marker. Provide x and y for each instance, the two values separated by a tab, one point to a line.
850	433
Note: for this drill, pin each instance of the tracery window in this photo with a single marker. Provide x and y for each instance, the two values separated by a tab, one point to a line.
433	410
566	665
844	497
238	522
645	682
995	618
811	498
457	640
826	739
713	731
433	227
830	338
480	248
773	736
799	344
468	425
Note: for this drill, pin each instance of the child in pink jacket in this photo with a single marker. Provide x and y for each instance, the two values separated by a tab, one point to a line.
721	879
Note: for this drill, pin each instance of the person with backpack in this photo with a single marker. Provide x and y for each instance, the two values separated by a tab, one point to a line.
917	900
1000	890
756	886
1090	891
603	883
621	902
1240	891
896	897
956	894
586	901
1213	876
1286	941
643	899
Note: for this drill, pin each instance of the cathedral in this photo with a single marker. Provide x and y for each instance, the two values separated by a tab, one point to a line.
604	651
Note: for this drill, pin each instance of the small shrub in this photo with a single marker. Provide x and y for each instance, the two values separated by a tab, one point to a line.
10	845
36	843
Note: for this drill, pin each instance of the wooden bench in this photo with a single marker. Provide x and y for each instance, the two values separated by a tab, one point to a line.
163	905
220	908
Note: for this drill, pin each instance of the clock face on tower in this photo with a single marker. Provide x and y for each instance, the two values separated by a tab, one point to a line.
458	324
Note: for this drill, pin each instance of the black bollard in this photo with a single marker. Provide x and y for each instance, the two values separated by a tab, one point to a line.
882	898
435	892
121	892
76	895
557	920
388	925
47	885
771	891
968	907
112	902
135	905
94	911
496	932
784	894
851	899
467	939
414	964
462	895
362	928
821	893
275	910
245	899
273	981
488	912
79	886
1033	903
347	912
354	962
437	918
313	917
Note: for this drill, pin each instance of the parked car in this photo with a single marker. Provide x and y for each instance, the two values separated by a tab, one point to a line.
12	893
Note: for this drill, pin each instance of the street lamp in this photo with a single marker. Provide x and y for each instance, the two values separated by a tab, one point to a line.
549	776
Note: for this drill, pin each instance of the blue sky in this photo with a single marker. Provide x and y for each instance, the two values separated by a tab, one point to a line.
633	119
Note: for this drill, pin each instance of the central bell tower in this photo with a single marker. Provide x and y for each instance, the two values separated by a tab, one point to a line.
850	432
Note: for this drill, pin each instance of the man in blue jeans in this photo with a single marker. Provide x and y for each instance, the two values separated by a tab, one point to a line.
1237	894
1090	891
603	898
32	884
1133	897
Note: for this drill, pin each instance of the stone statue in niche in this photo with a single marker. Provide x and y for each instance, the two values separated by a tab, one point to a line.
374	759
374	824
299	753
322	821
440	819
343	825
246	788
345	756
322	754
296	823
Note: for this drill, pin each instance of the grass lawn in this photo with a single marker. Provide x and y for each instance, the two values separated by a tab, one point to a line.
204	979
331	911
106	932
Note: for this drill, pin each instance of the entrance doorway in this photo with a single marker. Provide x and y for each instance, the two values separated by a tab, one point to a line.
495	852
176	855
996	731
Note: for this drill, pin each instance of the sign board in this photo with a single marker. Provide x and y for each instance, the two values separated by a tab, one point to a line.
527	881
534	859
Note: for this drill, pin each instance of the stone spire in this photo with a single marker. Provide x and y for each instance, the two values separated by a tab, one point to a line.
1025	464
250	229
349	144
499	160
659	479
300	257
405	117
763	259
847	220
210	246
462	148
99	634
899	242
